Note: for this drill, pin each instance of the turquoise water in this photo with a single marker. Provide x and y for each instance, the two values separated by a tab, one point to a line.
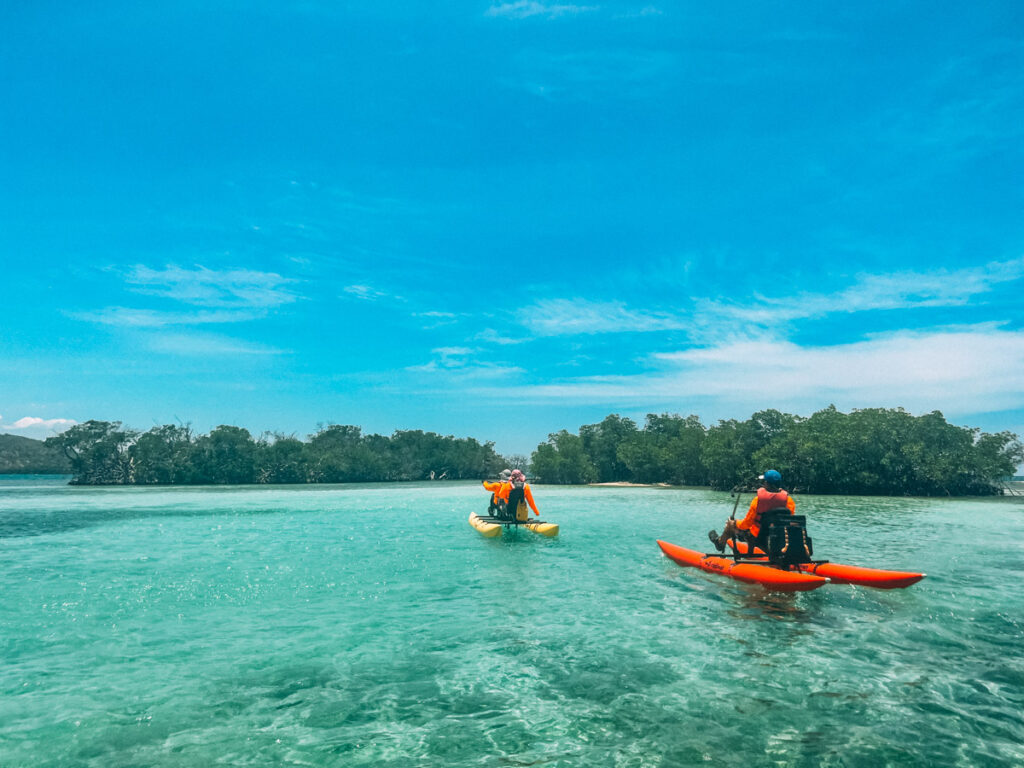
371	626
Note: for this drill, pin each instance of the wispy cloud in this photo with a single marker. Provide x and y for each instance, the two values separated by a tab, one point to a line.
366	292
230	288
466	363
646	11
128	317
206	345
435	319
562	317
959	370
436	315
907	290
898	290
491	336
210	296
522	9
762	316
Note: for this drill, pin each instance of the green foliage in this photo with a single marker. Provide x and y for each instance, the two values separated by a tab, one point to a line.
889	451
163	455
869	451
226	456
667	449
729	447
563	460
102	453
280	459
601	445
98	452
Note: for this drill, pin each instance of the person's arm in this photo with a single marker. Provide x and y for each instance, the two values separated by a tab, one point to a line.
748	520
529	499
492	487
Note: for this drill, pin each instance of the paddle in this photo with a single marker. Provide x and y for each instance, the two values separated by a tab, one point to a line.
736	491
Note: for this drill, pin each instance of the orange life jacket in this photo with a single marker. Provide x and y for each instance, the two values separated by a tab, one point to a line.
766	500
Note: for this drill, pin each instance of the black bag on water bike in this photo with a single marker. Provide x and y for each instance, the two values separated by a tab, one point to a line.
516	508
787	540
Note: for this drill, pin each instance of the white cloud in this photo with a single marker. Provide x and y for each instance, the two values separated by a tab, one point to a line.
763	316
561	317
447	358
128	317
899	290
35	421
228	296
39	428
492	336
436	319
438	315
364	292
461	362
204	345
522	9
452	351
974	369
231	288
466	373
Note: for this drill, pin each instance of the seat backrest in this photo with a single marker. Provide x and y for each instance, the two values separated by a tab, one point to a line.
787	539
779	513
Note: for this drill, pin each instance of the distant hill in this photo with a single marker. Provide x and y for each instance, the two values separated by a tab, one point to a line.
25	456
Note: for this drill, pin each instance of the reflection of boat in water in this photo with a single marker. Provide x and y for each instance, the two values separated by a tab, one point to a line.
492	526
793	576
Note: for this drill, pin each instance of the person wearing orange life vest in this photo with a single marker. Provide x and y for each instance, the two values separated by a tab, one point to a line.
516	492
496	504
769	497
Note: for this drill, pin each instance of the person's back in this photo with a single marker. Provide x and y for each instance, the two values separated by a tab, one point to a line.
770	498
519	496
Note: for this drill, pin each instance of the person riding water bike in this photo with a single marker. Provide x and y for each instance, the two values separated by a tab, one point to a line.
770	496
497	505
517	494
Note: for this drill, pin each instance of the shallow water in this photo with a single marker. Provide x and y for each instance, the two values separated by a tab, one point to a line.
369	625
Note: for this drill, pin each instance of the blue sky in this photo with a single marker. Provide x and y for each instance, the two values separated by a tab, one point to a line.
505	219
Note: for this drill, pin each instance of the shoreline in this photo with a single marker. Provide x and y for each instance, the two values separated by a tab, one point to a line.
624	484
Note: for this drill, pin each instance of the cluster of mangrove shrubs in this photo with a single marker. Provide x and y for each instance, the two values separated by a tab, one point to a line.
106	453
869	451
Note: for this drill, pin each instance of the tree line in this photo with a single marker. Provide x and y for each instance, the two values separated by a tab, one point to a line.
107	453
864	452
868	451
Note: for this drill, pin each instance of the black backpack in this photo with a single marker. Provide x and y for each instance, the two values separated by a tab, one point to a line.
787	540
516	496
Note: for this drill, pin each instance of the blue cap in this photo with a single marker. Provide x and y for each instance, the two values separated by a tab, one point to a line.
771	476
